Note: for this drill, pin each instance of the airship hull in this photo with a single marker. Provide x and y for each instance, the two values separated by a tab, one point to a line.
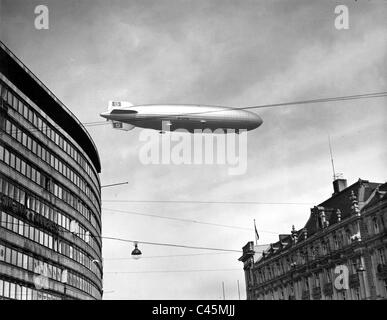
185	117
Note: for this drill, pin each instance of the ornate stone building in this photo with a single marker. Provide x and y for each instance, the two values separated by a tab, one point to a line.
340	254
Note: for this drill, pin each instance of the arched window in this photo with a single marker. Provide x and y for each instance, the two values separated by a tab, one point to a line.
376	225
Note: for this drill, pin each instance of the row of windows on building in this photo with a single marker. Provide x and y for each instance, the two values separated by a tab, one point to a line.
320	248
291	292
42	125
27	231
301	288
262	275
34	174
39	207
47	156
12	290
38	266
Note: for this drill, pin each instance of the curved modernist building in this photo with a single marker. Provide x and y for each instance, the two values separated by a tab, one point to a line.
50	202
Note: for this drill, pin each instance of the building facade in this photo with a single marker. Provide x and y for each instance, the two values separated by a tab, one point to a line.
50	194
340	254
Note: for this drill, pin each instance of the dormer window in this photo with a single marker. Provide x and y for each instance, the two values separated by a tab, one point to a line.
335	242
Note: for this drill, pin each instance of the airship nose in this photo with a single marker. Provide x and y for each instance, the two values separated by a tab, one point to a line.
259	121
255	121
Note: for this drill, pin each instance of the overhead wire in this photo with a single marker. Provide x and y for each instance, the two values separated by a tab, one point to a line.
173	271
171	256
186	220
204	202
222	250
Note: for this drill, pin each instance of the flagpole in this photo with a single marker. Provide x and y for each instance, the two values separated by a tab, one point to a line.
255	236
256	233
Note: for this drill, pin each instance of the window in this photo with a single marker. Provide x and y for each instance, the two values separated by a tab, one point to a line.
21	227
348	236
12	160
24	293
381	255
36	234
32	233
20	259
354	265
356	294
9	97
30	263
328	276
324	248
24	139
25	112
15	102
2	253
3	219
23	168
376	225
13	257
18	165
306	285
45	239
6	289
26	229
335	242
15	225
317	280
6	156
41	237
1	153
25	261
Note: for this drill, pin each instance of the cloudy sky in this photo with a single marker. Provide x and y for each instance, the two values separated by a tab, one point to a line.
218	52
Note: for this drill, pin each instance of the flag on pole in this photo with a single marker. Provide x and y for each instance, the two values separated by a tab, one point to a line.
256	233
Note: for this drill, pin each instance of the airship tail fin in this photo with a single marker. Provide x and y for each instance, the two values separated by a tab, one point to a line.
118	105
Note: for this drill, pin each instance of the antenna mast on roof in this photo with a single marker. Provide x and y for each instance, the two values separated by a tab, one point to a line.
335	175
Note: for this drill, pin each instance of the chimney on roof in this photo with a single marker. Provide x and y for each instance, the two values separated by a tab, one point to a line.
339	185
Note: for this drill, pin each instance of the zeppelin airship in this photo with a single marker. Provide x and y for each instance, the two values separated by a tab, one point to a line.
169	117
